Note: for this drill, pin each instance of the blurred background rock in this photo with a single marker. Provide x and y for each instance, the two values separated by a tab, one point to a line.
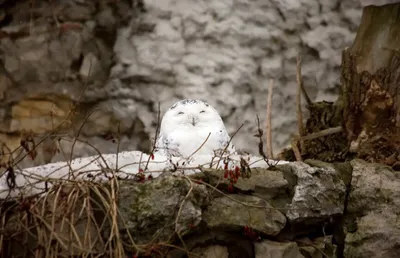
114	60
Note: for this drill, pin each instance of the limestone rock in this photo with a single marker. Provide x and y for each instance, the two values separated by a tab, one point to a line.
219	240
374	202
145	207
215	251
374	187
377	235
270	185
270	249
318	195
39	115
319	247
47	58
90	66
225	212
308	195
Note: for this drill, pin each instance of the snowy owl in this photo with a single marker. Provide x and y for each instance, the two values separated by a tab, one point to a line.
192	127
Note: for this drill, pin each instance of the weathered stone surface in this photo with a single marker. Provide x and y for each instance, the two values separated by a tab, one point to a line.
374	187
320	247
318	195
377	235
40	115
215	251
375	203
270	185
144	207
270	249
236	244
309	196
250	211
260	180
50	60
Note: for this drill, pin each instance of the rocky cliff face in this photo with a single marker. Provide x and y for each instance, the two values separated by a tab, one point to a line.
115	60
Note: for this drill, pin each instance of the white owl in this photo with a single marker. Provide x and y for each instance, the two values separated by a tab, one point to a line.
192	127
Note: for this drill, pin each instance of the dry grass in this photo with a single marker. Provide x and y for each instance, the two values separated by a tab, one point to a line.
63	222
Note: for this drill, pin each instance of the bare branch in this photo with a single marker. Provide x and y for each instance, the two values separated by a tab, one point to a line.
296	149
201	146
322	133
300	128
270	153
155	137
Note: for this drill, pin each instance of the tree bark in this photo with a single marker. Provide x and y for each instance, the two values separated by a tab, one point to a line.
370	91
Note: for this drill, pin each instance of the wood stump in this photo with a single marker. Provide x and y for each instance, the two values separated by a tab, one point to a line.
370	91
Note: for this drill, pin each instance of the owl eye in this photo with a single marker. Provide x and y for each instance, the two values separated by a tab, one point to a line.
203	111
180	113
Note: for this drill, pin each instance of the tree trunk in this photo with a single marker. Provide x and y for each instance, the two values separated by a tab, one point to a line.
370	92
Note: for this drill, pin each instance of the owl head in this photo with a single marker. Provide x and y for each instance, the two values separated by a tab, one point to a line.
190	114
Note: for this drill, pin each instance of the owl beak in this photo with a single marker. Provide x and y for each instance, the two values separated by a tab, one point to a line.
193	121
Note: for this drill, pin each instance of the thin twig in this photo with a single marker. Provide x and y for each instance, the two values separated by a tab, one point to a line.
299	80
201	146
300	128
87	117
180	212
259	135
322	133
156	136
118	145
270	153
296	150
229	142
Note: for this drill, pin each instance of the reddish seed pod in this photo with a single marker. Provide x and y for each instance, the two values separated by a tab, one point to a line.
237	170
152	156
226	166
